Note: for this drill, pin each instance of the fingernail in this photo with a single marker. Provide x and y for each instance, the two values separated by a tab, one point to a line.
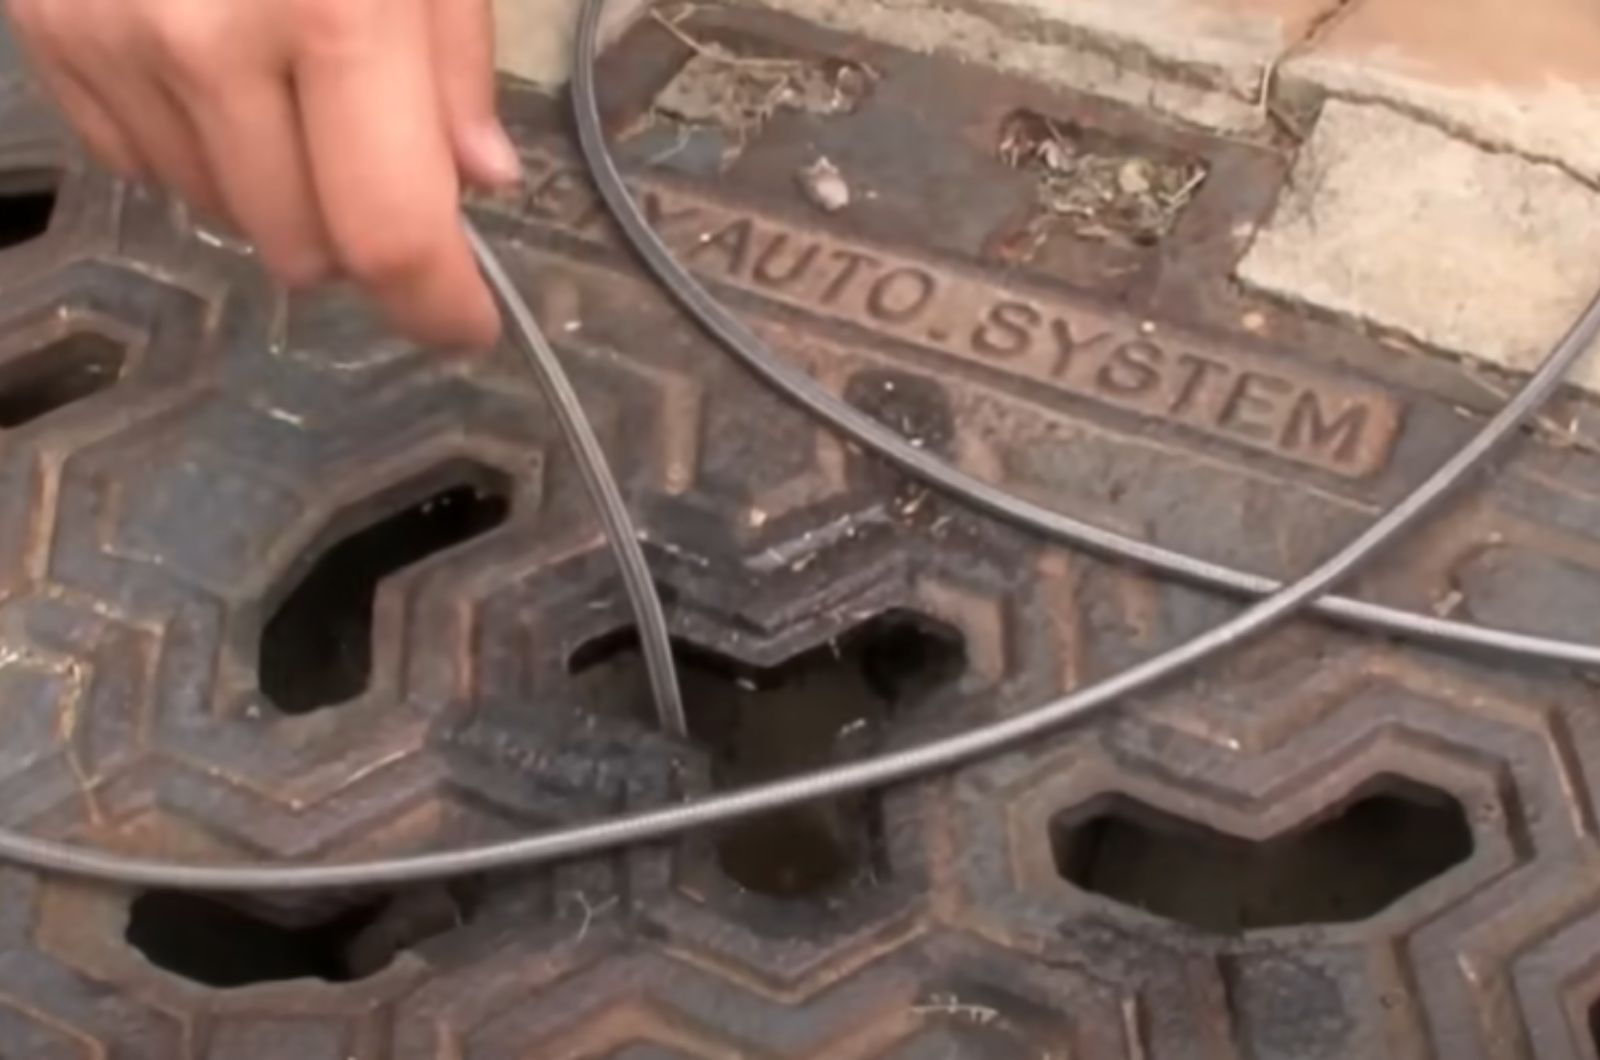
496	154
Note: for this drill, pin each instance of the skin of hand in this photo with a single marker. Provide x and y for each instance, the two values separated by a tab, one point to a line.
334	134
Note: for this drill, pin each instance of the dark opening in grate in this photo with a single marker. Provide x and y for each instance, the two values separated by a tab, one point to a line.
825	706
67	371
1350	865
232	943
27	203
216	944
316	649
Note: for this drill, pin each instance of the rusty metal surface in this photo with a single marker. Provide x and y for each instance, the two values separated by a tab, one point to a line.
1325	847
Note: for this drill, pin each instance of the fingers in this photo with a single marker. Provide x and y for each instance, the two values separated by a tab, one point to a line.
332	132
105	139
98	66
386	176
168	144
250	132
94	123
226	69
463	50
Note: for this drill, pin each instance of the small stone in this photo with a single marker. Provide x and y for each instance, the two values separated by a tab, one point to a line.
1473	252
1134	177
825	186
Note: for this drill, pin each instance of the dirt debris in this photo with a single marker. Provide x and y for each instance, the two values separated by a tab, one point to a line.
1097	188
738	94
716	87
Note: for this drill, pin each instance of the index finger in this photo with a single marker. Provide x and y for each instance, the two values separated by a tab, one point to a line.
384	170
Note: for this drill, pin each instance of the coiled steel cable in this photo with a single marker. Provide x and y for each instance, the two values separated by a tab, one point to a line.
894	767
529	338
651	825
739	340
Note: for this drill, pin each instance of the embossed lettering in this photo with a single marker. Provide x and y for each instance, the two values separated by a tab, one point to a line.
774	272
563	196
1133	368
1309	429
898	296
1093	351
661	218
1197	371
1252	405
1006	330
854	262
1068	345
733	241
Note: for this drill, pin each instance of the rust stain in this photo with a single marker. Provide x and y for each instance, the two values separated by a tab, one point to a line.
1060	583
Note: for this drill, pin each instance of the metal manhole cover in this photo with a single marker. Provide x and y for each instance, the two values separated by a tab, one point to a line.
276	585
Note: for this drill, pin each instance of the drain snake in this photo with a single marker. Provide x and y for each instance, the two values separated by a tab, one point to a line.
1279	602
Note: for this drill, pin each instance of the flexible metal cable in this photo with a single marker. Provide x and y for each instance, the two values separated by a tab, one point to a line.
716	810
654	636
652	825
929	468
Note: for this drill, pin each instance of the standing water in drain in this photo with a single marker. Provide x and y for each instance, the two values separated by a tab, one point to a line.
825	706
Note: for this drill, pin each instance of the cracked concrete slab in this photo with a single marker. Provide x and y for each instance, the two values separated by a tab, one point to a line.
1467	250
534	37
1200	60
1524	76
1392	222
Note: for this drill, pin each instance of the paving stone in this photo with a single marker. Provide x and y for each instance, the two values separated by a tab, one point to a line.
1393	222
1200	60
534	37
1525	76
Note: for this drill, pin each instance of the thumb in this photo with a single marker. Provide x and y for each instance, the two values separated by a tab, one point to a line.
463	56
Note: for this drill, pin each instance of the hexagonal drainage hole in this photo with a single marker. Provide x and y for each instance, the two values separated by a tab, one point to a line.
227	943
1358	859
27	203
316	649
825	706
65	372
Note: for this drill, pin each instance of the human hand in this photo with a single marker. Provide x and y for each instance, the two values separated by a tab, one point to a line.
334	134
